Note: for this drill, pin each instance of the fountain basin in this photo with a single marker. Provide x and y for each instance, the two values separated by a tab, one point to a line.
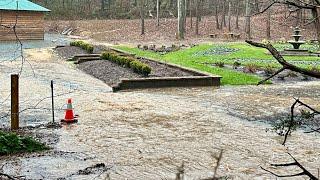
296	44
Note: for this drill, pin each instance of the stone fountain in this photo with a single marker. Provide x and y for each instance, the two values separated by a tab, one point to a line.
296	43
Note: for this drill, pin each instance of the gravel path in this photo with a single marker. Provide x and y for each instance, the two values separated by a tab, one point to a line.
148	134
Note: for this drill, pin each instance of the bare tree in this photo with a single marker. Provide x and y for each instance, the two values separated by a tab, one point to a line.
248	21
158	9
217	15
198	18
229	16
268	24
223	17
142	16
190	13
181	19
312	5
237	14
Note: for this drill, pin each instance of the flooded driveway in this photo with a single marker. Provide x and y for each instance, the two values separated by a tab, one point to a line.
147	134
11	50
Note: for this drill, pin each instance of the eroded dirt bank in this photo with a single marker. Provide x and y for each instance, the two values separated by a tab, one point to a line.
147	134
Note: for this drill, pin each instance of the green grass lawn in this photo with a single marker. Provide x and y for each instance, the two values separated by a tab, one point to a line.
202	57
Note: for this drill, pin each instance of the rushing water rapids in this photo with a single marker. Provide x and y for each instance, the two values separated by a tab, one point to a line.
147	134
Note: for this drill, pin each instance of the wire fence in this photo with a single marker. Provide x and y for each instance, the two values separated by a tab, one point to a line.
34	104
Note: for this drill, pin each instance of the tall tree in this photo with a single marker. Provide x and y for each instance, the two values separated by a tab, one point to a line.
103	7
217	16
181	19
197	16
247	20
158	9
142	4
237	14
190	13
229	16
313	5
269	24
223	17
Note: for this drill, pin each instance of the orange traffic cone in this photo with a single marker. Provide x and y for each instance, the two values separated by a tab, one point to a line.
69	116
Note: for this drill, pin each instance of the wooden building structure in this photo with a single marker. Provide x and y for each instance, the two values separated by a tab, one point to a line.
22	19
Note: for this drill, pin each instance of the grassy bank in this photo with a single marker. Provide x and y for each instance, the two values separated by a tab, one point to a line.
204	56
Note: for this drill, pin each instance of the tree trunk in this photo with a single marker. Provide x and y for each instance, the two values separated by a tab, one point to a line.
247	23
269	24
185	15
229	17
102	5
181	19
142	16
158	8
315	14
217	16
190	13
197	16
223	17
237	15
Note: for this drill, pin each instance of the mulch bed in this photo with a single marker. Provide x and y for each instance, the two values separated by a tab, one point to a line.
107	71
68	52
111	73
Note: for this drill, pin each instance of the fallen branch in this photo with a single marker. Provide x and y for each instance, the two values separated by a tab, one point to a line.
7	176
285	65
304	172
291	124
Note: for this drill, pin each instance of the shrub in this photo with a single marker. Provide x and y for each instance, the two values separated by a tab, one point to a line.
83	45
282	41
291	74
314	68
12	143
269	70
265	41
251	68
219	64
236	64
129	62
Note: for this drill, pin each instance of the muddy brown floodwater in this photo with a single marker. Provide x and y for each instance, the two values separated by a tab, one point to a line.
147	134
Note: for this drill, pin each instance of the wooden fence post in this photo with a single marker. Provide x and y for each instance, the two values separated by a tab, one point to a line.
14	101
